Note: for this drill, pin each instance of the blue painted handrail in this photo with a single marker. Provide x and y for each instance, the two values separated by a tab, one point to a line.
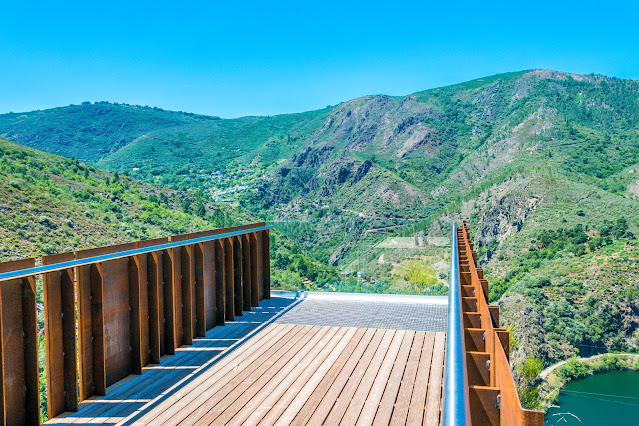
456	401
22	273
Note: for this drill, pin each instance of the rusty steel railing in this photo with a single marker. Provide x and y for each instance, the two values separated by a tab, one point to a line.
125	306
492	394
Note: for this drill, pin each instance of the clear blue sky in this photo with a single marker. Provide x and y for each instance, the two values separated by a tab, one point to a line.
269	57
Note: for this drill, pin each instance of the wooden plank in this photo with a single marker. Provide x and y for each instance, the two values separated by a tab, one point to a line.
179	319
353	369
214	384
374	398
309	378
59	328
325	373
187	280
418	398
156	309
255	294
238	275
311	371
139	339
266	263
246	271
92	308
153	382
219	374
116	306
199	295
13	368
400	413
97	331
155	299
349	357
271	372
18	349
168	297
366	368
376	374
387	403
30	342
259	244
143	279
229	313
17	373
434	398
220	282
208	278
285	346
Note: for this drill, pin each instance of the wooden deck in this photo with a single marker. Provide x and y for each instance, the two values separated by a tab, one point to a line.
287	374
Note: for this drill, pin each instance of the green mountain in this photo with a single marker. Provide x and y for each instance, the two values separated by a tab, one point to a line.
51	204
544	166
90	131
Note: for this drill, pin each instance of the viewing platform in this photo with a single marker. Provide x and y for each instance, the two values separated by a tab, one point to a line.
187	330
290	362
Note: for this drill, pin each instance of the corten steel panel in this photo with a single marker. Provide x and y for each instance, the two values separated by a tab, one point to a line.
220	282
117	319
483	406
478	370
260	265
229	313
266	263
208	282
246	271
18	347
255	294
60	337
494	342
238	275
187	265
139	316
170	338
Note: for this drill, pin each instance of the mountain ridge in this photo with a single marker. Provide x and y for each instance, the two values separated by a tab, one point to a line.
543	165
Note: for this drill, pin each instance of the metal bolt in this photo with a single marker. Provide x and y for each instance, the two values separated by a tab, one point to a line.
488	365
498	403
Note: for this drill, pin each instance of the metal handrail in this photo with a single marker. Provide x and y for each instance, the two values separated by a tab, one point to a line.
456	402
22	273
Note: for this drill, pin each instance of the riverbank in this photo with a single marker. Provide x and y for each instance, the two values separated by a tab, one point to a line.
556	376
553	367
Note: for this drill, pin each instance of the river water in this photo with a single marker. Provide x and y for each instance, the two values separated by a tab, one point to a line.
610	398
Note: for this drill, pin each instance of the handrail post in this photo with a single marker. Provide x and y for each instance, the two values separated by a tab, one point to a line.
456	400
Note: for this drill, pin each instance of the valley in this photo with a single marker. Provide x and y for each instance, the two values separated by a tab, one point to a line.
543	165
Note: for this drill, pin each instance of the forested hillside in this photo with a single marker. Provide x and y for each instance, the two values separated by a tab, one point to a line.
544	166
